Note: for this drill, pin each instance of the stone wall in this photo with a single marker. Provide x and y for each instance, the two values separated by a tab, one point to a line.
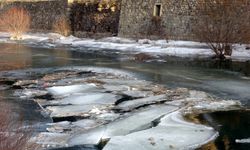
177	18
137	17
43	12
88	18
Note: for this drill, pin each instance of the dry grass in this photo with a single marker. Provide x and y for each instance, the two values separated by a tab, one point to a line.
15	21
12	134
62	26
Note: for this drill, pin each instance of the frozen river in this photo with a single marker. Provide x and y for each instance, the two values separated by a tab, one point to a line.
229	80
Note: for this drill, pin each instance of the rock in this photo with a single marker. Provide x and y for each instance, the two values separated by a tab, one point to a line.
142	57
130	105
172	133
59	75
25	82
136	122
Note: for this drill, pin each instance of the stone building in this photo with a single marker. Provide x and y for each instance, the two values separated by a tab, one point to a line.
174	18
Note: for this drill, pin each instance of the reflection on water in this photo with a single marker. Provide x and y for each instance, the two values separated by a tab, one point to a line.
231	126
14	56
23	110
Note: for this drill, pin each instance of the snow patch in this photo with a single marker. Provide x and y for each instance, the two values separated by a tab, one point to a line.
65	90
242	140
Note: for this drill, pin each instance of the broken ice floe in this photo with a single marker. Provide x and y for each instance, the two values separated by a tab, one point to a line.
51	140
117	108
138	94
130	105
171	133
138	121
86	123
75	110
88	98
212	106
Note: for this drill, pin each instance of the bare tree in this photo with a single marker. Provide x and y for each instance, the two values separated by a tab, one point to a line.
221	23
15	21
13	136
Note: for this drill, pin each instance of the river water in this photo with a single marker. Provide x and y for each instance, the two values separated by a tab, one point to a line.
228	80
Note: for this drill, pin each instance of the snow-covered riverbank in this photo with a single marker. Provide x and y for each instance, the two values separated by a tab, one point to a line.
153	47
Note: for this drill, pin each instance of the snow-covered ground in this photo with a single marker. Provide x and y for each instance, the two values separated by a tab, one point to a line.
153	47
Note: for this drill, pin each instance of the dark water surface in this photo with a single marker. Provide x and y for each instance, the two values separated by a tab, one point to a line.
229	80
231	125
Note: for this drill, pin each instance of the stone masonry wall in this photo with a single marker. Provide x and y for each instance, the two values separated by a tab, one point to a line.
176	19
43	12
86	17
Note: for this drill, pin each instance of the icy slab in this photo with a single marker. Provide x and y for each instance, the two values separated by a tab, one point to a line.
65	90
138	121
49	140
110	116
217	105
116	88
126	82
172	133
74	110
138	94
242	140
86	123
197	95
130	105
59	127
89	98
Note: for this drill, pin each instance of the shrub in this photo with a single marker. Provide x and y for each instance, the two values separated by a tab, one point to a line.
62	26
13	136
15	21
220	23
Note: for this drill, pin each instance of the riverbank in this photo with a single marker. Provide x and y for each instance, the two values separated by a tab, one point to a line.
152	47
106	108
